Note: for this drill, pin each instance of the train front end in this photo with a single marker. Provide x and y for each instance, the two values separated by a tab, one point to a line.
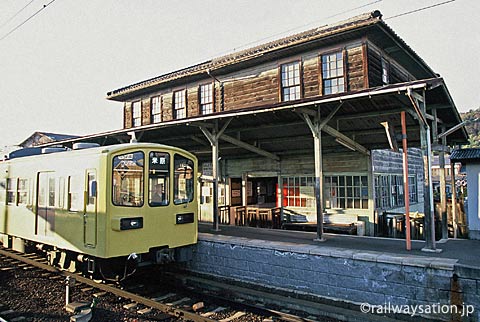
151	212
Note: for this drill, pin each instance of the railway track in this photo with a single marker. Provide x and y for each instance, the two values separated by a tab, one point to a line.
169	298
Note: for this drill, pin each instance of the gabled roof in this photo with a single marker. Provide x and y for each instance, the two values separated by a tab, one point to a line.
273	49
465	155
45	137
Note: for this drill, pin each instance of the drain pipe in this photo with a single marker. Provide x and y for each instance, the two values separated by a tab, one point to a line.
429	217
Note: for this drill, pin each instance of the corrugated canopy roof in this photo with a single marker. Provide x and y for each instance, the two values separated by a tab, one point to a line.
465	155
280	130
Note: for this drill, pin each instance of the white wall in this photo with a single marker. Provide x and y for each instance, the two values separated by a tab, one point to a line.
473	183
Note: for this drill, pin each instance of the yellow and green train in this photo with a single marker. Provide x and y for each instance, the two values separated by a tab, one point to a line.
101	210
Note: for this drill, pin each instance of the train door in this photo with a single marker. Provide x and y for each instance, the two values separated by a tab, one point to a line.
90	209
45	215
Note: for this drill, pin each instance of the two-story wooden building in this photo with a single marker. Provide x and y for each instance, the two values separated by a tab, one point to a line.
292	123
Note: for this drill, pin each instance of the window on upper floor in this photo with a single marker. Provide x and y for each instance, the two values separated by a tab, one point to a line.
385	71
333	73
206	99
179	104
156	106
137	113
291	85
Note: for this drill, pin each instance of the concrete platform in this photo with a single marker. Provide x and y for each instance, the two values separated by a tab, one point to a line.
464	251
345	270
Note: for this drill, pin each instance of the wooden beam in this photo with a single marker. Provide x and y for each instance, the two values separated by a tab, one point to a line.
356	146
249	147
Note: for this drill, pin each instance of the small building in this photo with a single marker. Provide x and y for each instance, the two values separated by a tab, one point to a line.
40	138
470	159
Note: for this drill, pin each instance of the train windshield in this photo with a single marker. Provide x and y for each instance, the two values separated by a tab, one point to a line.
128	179
158	174
183	181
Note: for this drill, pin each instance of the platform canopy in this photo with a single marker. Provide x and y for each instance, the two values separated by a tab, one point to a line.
280	129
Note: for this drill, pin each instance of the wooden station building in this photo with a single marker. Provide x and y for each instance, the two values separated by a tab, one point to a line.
295	124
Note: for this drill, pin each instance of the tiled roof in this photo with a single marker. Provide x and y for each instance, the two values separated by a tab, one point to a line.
247	54
471	154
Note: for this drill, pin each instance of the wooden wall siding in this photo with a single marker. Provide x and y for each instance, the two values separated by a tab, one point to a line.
397	73
258	86
355	76
237	167
374	67
386	161
127	120
218	97
167	112
311	77
345	162
146	111
193	106
260	90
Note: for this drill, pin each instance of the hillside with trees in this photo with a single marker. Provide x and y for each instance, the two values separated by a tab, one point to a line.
473	127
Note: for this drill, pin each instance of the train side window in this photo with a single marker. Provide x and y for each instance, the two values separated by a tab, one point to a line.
11	191
128	179
61	193
22	191
92	188
75	193
51	192
184	181
158	174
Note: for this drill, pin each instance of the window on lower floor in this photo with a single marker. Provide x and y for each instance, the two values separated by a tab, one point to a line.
299	192
389	190
346	191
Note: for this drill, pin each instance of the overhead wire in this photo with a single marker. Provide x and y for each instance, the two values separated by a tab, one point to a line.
310	23
26	20
419	9
16	14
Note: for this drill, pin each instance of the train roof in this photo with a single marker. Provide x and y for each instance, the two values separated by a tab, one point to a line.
86	148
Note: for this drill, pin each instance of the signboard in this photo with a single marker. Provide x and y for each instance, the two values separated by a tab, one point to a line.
207	169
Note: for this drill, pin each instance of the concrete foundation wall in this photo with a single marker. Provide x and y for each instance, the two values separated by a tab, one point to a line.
339	274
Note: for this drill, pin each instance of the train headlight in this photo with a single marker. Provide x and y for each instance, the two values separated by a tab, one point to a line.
131	223
185	218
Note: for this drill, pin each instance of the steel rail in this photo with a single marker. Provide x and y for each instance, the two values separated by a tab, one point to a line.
111	289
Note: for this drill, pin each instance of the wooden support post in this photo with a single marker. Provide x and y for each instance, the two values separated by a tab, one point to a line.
405	182
317	143
213	136
418	102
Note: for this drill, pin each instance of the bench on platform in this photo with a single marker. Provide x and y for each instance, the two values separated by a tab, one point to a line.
340	223
332	223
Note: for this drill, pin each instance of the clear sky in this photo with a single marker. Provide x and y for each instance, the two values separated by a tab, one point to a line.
56	69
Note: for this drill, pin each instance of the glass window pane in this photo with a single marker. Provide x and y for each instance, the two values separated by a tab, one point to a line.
158	174
184	179
128	179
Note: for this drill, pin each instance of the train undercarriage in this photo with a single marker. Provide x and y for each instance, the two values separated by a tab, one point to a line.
114	269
